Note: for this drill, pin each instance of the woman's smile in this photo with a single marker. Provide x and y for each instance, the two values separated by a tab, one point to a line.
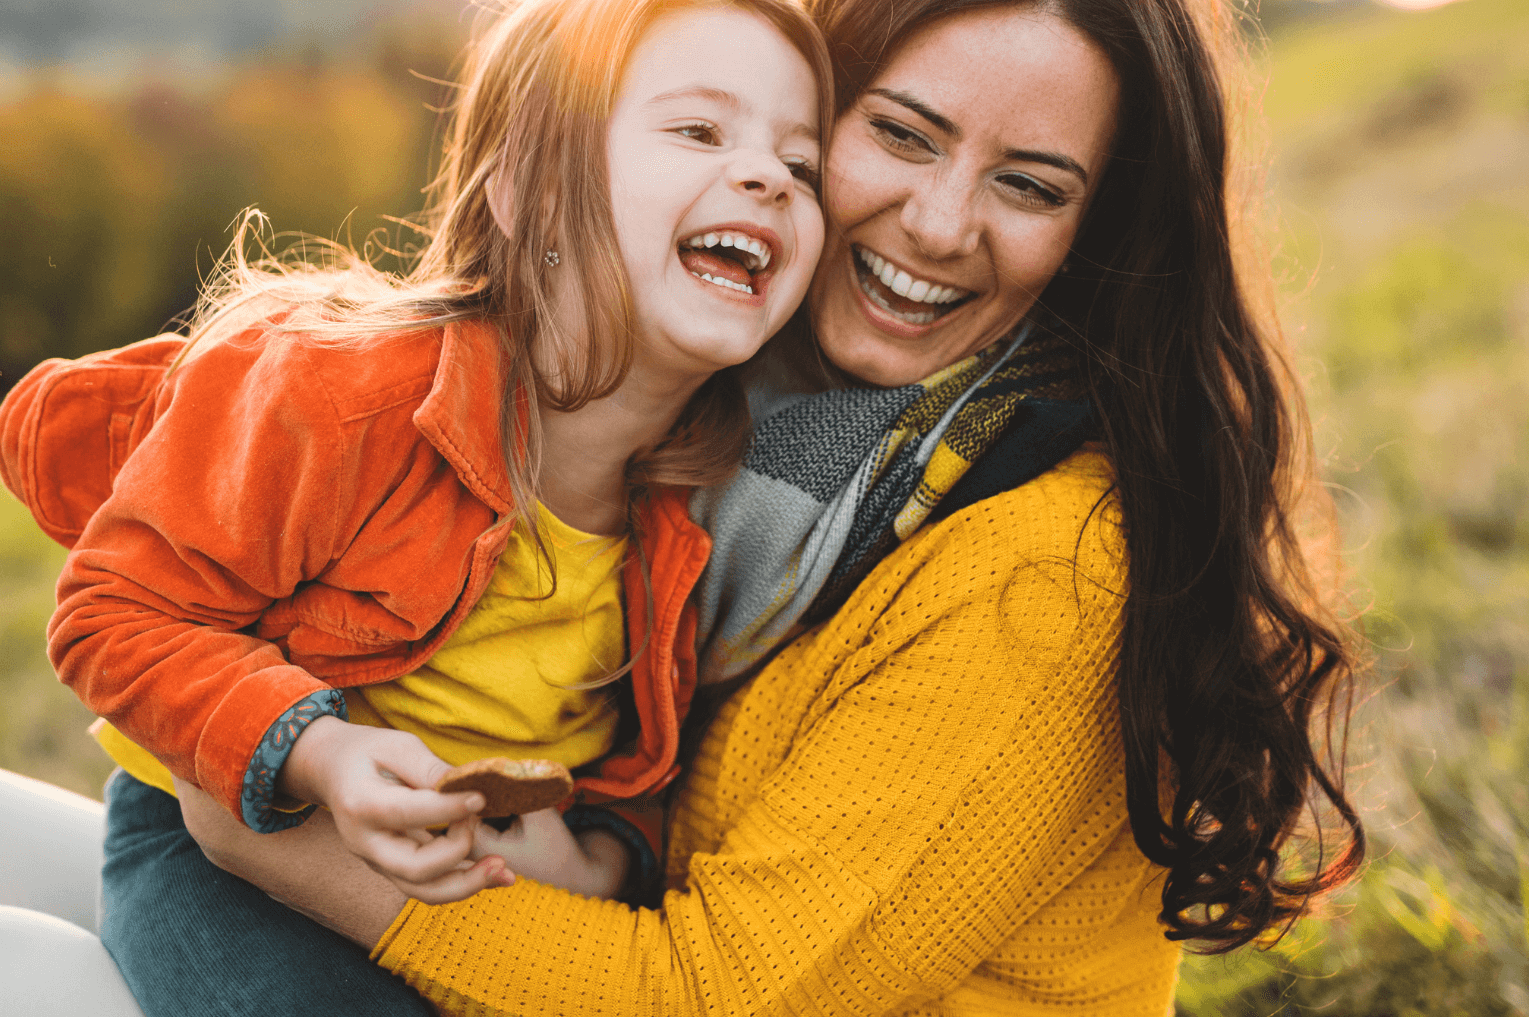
915	301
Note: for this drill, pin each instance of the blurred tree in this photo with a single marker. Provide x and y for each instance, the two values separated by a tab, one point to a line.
113	207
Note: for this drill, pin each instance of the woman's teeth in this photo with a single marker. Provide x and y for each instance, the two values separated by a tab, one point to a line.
904	285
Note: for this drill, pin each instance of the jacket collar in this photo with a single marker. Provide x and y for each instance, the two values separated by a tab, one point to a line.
460	415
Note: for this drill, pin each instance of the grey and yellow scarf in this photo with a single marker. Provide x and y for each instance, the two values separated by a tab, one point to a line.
834	480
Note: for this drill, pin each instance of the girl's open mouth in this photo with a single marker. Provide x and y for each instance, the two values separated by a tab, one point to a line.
732	257
902	295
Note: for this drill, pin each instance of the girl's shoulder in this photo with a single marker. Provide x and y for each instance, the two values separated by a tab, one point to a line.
277	358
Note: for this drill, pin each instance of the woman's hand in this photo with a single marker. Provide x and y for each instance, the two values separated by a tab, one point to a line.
541	847
378	784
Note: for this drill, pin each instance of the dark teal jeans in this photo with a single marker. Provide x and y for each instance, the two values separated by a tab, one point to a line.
193	940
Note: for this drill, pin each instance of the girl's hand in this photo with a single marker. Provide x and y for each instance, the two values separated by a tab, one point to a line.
540	846
378	785
306	868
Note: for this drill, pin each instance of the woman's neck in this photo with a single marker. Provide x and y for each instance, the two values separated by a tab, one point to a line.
585	452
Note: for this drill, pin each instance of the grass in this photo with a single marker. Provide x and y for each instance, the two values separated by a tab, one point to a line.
42	729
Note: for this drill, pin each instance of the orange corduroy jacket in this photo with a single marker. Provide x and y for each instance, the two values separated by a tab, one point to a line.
275	517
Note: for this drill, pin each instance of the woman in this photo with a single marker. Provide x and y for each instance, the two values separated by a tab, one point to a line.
1001	777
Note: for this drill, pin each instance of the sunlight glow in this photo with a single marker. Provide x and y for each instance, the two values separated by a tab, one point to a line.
1416	5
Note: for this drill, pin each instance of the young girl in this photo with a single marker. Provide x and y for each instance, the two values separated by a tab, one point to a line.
408	501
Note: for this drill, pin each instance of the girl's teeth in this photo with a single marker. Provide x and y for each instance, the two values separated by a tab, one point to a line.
736	241
887	274
902	283
727	283
918	291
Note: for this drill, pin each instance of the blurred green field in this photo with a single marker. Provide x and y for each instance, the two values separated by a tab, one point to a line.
1401	174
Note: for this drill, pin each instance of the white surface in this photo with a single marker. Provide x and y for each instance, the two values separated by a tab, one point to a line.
50	851
52	968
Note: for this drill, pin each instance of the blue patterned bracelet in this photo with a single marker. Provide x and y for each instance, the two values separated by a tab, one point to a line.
258	798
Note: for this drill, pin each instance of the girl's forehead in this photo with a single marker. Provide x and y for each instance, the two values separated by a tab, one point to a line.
721	54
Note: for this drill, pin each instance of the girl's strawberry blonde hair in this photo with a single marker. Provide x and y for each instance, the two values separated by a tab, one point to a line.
530	115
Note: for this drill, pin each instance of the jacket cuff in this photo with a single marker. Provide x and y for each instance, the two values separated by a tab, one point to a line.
642	887
263	807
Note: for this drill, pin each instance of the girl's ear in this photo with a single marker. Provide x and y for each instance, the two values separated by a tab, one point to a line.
499	200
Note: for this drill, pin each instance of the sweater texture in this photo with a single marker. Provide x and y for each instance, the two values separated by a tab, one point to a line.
916	808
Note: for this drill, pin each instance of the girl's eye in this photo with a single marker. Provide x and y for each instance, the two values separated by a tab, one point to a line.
1031	190
706	134
806	173
895	136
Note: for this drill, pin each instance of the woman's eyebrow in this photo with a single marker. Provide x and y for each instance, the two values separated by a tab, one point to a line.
944	123
920	107
1056	159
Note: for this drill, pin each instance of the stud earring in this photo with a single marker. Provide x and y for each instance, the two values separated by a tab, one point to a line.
551	259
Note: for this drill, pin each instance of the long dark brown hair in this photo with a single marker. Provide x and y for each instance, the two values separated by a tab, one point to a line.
1232	673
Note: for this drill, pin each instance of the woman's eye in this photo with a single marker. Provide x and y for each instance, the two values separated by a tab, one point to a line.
1030	189
706	134
896	136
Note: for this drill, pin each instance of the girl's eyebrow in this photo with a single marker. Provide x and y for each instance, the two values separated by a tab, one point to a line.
949	126
717	95
725	98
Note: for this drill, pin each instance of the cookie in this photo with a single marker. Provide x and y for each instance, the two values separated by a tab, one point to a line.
512	787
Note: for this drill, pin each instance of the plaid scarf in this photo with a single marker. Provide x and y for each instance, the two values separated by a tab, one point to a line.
833	481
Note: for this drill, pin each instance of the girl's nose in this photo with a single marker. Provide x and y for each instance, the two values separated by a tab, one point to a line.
762	176
942	217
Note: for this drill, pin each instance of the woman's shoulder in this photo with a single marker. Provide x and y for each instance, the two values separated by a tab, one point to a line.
1027	573
1069	515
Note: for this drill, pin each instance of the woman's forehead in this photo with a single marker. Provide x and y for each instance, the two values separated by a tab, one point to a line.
1008	78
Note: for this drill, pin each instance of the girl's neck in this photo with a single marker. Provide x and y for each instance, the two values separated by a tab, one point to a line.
585	452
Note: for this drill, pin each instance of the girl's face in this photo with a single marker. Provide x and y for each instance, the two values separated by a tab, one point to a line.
955	186
713	156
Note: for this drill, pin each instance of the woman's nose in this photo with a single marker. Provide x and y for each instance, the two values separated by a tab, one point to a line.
941	218
762	176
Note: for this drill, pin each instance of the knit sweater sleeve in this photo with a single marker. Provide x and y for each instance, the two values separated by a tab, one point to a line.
936	763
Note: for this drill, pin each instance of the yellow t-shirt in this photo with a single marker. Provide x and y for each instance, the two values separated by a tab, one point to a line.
501	685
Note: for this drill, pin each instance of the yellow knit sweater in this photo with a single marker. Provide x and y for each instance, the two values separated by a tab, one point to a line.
918	808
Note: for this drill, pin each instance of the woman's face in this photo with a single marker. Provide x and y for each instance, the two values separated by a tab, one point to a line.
954	187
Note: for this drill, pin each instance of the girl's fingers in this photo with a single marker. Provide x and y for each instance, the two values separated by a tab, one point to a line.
461	884
408	759
405	858
545	826
402	808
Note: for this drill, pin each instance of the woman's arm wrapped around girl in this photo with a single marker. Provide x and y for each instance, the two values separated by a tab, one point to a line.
921	798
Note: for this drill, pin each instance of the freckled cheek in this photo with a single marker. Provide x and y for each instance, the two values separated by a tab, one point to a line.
1030	258
860	183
